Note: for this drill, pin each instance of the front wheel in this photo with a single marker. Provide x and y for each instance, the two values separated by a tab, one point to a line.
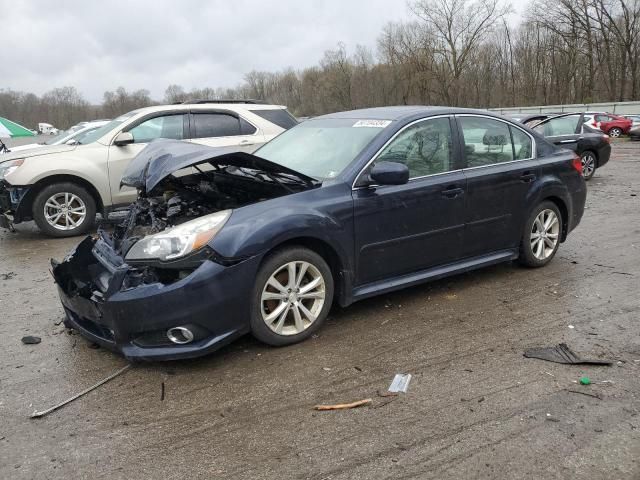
541	236
588	160
64	210
615	132
292	296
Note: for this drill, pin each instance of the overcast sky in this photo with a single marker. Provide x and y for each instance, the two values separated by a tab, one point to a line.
98	46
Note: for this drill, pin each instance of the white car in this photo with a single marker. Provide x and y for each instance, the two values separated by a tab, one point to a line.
69	137
62	187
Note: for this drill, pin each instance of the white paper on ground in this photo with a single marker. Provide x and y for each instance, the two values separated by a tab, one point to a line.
400	383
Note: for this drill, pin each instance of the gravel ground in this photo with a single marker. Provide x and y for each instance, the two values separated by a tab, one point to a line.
476	408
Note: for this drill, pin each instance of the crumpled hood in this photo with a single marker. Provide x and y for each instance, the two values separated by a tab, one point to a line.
163	157
36	152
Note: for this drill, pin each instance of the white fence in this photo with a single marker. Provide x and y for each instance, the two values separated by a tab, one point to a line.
621	108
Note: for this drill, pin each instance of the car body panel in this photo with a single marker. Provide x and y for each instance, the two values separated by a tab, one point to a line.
375	238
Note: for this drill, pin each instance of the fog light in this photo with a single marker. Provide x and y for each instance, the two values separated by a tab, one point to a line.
180	335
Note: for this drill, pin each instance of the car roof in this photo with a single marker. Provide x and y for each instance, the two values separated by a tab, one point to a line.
207	106
399	112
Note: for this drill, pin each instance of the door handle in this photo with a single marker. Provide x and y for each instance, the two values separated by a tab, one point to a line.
452	192
568	141
244	142
528	177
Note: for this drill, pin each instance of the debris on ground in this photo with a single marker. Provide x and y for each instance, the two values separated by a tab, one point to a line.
562	354
37	414
162	392
7	276
344	406
388	396
594	395
31	340
585	381
400	383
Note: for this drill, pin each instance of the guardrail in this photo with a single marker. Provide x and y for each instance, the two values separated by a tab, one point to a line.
621	108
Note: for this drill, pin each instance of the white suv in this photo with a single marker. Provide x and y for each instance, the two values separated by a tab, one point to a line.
64	186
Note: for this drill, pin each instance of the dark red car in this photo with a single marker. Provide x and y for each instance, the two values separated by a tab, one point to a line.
609	123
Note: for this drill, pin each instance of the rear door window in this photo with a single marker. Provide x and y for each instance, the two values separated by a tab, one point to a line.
206	125
559	126
486	141
279	116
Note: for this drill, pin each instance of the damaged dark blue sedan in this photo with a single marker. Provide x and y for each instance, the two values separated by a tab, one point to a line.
342	207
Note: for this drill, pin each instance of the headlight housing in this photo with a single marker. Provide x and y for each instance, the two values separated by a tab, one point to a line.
179	241
9	167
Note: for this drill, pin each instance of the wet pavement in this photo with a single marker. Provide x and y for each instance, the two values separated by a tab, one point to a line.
475	408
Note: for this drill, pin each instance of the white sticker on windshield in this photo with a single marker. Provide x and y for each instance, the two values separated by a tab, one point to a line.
372	123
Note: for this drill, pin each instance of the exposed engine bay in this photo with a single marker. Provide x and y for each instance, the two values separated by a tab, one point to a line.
178	199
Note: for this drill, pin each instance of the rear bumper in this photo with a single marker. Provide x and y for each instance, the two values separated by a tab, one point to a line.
212	301
604	154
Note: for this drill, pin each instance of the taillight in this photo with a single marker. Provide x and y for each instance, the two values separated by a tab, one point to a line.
577	164
606	138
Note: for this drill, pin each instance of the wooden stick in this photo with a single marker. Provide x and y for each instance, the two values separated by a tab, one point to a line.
78	395
343	406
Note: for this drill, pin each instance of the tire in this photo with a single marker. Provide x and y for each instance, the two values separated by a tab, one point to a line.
615	132
57	221
589	164
531	255
290	323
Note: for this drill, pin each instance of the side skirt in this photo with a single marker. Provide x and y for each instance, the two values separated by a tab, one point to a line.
416	278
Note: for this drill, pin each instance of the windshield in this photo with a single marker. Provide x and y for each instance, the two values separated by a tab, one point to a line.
321	148
56	139
99	132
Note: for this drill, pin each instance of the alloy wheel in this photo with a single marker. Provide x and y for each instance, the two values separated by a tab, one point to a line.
588	164
65	211
292	298
545	234
615	132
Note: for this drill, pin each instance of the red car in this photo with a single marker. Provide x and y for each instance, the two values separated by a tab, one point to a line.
609	123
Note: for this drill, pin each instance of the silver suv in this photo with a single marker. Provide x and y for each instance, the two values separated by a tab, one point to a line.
63	187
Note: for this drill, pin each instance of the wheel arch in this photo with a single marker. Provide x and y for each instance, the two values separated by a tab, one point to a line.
564	211
26	204
341	280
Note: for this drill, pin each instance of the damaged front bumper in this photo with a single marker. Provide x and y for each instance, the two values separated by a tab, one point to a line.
97	291
11	205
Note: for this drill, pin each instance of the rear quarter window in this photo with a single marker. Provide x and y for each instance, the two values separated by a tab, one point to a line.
279	116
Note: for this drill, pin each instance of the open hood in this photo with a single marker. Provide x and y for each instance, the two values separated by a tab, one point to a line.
163	157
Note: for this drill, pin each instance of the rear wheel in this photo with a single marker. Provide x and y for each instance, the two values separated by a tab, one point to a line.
64	210
541	235
615	132
588	159
292	296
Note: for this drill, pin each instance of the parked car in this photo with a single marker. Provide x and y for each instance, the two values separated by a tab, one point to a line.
611	124
69	137
47	129
634	133
568	130
62	187
635	120
339	208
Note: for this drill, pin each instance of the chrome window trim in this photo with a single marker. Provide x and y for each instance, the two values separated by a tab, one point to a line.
449	115
377	154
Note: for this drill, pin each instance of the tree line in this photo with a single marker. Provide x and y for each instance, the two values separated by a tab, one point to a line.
451	52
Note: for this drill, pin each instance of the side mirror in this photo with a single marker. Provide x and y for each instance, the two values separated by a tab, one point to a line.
123	138
389	173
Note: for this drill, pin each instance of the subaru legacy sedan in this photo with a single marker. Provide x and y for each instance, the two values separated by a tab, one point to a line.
221	243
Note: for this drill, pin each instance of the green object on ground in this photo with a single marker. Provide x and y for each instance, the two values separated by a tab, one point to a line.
585	381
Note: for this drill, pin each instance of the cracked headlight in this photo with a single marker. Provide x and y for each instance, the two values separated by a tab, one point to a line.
9	167
179	241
